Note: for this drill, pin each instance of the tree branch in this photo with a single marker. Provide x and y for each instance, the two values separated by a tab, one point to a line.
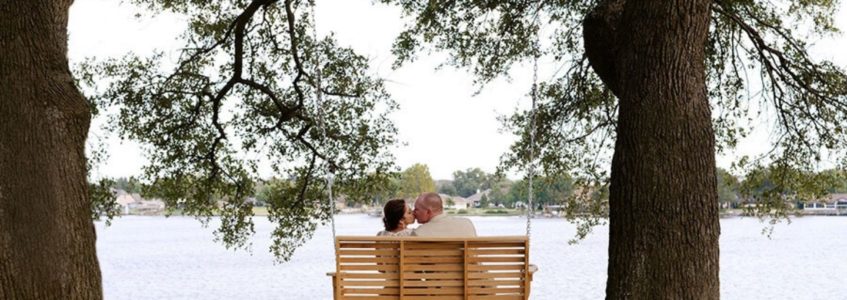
302	195
292	34
238	57
286	113
600	38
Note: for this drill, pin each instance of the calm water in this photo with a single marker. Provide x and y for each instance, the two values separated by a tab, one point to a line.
175	258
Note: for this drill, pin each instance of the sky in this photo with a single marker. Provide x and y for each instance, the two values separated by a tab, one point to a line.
440	121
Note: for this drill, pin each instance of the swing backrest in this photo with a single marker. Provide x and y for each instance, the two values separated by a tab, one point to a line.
432	268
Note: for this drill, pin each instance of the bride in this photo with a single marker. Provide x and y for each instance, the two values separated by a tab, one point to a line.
396	217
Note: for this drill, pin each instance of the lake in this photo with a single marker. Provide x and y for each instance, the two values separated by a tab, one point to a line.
175	258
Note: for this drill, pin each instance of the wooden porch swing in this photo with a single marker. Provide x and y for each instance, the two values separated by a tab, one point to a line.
413	268
494	267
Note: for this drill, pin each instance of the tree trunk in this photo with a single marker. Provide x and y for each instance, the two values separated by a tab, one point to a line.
47	238
664	226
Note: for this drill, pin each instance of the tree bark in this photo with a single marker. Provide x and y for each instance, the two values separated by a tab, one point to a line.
664	226
47	238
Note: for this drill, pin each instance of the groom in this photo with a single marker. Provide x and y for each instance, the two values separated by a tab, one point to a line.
429	211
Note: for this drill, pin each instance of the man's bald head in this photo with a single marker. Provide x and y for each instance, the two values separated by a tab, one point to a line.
432	201
427	206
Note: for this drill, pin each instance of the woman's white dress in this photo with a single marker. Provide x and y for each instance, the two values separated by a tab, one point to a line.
404	232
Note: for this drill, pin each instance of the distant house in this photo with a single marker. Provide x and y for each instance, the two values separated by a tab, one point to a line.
833	204
839	200
126	200
831	201
461	203
253	201
455	202
150	207
553	209
476	198
135	204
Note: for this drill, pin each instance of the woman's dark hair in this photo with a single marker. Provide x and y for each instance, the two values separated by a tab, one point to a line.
393	212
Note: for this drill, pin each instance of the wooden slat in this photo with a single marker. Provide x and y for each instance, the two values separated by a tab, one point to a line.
433	297
494	290
494	239
433	260
433	283
402	269
480	275
465	272
351	284
499	297
351	275
526	269
431	246
495	245
495	251
455	267
336	280
495	283
368	245
368	267
433	291
374	252
438	275
363	297
410	253
353	281
495	267
374	291
369	260
475	259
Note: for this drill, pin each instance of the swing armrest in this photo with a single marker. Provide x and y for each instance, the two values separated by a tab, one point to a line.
532	270
334	284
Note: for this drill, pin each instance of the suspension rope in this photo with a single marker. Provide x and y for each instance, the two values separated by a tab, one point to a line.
531	169
330	177
534	96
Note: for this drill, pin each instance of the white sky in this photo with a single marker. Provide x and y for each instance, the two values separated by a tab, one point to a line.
441	122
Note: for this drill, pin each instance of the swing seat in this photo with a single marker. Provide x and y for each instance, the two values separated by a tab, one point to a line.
370	267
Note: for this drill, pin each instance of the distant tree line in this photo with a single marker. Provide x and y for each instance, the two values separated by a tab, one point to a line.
733	191
760	187
503	191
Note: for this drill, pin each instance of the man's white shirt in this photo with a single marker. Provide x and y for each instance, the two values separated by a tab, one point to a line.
443	225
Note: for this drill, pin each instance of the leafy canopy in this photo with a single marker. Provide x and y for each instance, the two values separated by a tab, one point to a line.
470	181
243	93
758	67
415	180
244	87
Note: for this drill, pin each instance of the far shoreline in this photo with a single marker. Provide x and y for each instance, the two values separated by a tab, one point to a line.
498	212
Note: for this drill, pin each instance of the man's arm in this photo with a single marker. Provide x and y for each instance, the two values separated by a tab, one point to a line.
420	231
473	228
